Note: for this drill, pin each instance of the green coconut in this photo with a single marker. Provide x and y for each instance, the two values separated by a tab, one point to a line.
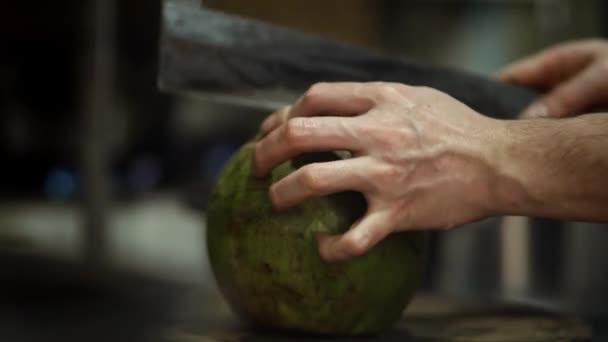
267	265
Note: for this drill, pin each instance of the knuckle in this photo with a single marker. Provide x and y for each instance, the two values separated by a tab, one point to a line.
387	92
311	96
400	87
365	128
317	87
379	171
388	138
295	131
377	84
385	89
388	172
423	88
311	178
383	141
406	133
388	179
398	90
426	90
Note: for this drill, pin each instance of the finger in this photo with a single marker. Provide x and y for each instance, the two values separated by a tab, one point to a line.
299	135
549	67
335	99
319	179
571	97
328	99
363	235
274	120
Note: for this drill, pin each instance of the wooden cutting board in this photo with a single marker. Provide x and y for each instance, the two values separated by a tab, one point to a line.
428	318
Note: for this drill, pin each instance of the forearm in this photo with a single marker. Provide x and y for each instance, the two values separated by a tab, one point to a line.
553	168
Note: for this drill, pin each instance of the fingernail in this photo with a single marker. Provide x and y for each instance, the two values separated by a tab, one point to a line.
536	110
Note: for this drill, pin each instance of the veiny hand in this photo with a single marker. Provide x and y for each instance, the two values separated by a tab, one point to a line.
421	158
575	75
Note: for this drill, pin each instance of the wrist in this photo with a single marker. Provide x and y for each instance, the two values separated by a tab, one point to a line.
513	158
549	168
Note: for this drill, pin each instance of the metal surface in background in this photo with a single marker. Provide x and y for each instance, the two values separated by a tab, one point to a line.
230	59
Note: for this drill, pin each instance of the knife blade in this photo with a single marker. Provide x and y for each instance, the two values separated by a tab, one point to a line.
239	61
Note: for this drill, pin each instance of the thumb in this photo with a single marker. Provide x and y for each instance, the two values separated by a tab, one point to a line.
569	98
362	236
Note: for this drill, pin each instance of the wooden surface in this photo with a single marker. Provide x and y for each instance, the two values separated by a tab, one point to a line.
51	300
428	318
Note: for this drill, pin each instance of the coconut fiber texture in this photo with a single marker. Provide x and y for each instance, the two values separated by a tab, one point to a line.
268	268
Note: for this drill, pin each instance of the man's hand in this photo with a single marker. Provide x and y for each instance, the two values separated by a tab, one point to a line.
574	74
420	157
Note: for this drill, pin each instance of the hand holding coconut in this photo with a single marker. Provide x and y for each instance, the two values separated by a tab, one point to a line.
424	160
420	157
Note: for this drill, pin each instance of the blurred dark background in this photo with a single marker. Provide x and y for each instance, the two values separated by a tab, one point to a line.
100	172
45	64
